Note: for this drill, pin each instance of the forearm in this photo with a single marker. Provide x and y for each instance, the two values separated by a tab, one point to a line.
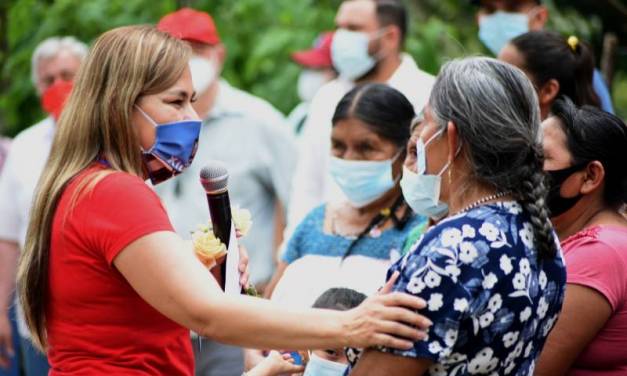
258	323
9	252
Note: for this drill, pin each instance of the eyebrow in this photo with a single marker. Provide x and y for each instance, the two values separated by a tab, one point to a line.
181	93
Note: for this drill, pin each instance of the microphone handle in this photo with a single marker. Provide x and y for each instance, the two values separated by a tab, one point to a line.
220	212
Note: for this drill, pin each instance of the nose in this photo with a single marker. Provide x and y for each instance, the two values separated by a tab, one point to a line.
191	114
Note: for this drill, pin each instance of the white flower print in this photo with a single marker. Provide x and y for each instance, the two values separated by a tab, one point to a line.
495	303
510	338
484	362
542	280
450	337
518	350
525	314
489	281
528	349
468	231
451	237
415	285
505	264
437	370
513	207
460	305
486	319
432	279
435	302
543	307
525	268
434	347
526	235
520	282
489	231
453	272
467	252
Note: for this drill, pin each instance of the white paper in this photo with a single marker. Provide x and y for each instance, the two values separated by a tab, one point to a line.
231	279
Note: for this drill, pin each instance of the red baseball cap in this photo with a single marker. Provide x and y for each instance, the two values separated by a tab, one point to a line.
191	25
317	57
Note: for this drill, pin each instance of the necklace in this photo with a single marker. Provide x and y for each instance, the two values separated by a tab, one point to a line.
373	228
483	200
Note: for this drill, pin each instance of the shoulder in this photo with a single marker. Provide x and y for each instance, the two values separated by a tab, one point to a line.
598	246
252	104
34	136
116	186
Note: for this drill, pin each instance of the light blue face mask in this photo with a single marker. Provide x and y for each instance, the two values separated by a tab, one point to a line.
349	54
322	367
363	182
422	191
497	29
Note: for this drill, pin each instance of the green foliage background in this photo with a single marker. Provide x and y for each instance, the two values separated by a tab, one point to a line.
259	35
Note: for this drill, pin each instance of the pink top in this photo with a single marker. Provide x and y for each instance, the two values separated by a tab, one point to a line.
596	257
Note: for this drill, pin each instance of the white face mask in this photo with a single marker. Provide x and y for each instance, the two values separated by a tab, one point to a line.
309	81
322	367
420	190
349	53
204	73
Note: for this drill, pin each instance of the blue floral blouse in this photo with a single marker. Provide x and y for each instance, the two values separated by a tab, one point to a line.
490	299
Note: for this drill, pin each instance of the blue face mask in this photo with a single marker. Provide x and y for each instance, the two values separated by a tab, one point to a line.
322	367
349	54
422	191
497	29
174	148
363	182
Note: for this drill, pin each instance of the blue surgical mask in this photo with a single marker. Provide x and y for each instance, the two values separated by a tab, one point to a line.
363	182
174	148
497	29
422	191
349	54
322	367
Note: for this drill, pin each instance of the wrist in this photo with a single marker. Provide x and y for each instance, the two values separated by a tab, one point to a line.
344	327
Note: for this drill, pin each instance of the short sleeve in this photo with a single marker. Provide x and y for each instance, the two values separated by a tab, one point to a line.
445	269
596	264
121	209
293	250
10	215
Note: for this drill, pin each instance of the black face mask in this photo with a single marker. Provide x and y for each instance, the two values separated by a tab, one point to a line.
556	203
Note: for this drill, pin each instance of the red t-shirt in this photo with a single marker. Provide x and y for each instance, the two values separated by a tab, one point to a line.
597	258
96	323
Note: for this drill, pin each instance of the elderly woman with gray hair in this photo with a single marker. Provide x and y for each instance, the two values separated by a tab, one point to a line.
490	268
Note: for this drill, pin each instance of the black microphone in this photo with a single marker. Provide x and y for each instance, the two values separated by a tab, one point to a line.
214	179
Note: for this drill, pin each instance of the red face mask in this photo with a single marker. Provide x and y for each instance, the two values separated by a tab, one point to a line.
53	99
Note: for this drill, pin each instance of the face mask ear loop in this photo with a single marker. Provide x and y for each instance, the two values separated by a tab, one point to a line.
145	115
448	163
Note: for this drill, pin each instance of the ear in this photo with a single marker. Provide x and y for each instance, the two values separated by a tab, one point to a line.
393	37
594	178
453	140
539	18
548	92
220	53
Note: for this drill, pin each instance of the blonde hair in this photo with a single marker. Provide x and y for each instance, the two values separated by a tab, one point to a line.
124	64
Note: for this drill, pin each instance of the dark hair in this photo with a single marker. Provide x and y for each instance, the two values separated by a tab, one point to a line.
596	135
496	112
393	12
385	110
339	299
548	55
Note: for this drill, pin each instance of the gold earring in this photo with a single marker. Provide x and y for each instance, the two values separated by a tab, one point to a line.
450	179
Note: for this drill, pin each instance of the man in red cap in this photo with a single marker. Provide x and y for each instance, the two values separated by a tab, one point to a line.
249	136
54	63
317	71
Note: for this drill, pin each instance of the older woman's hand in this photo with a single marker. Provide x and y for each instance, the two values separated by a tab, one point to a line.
243	266
383	318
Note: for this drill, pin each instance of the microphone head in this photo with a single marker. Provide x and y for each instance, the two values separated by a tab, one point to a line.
214	177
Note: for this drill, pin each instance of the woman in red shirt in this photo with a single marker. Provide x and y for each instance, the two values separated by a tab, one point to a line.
106	285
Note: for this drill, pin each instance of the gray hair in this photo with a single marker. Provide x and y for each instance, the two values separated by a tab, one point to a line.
495	109
50	47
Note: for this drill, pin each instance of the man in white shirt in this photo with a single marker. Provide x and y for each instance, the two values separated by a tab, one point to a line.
54	64
367	47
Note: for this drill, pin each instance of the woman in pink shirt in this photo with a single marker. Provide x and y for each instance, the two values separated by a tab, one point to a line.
585	153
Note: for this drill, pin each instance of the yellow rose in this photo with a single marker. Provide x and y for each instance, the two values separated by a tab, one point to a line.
208	248
242	220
